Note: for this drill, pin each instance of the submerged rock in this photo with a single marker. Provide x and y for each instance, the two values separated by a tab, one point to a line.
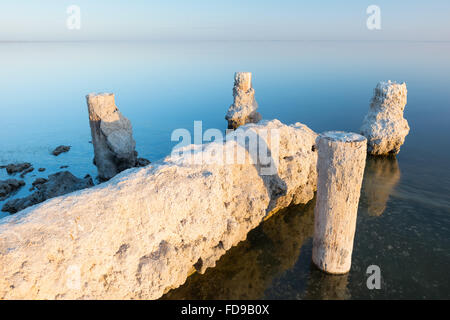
26	171
112	136
243	109
41	169
39	181
143	232
14	168
60	149
142	162
384	125
9	186
58	184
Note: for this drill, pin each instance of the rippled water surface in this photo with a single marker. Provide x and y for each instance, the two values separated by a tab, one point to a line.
404	214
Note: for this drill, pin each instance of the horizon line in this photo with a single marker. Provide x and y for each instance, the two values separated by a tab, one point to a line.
225	40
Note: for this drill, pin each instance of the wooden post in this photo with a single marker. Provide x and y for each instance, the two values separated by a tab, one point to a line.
340	167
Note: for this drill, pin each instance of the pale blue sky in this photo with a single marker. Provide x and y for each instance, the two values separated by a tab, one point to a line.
45	20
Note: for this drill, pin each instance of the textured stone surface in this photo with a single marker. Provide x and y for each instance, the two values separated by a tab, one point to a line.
112	136
243	109
384	125
39	181
144	231
9	186
26	171
13	168
60	149
142	162
340	169
57	184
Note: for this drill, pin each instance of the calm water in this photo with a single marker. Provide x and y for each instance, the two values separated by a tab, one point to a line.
404	215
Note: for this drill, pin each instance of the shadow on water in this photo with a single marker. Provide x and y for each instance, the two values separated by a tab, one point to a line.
322	286
247	270
275	260
280	249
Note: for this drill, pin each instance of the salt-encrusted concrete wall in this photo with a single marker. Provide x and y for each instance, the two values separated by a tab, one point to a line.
147	229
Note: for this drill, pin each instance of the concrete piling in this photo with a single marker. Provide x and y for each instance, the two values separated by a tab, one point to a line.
340	166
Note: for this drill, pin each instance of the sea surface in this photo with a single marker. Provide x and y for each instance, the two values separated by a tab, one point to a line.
403	222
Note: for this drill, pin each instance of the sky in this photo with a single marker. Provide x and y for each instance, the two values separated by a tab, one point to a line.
128	20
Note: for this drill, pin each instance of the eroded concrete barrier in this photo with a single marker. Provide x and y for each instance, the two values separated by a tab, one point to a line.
112	136
243	109
147	229
384	125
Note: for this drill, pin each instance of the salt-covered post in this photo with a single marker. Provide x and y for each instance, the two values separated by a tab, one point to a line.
243	109
243	80
340	168
112	136
384	125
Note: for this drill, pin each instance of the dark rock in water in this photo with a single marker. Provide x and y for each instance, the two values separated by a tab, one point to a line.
36	183
16	167
41	169
22	175
58	184
9	186
39	181
63	167
142	162
60	149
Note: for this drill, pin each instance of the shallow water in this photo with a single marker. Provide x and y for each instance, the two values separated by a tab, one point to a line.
404	216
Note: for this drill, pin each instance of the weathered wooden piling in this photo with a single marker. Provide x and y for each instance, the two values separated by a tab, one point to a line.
340	166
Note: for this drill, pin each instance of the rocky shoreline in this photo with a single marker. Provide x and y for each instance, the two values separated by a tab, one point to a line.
54	185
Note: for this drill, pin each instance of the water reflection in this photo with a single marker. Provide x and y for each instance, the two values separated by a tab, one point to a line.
381	176
270	258
247	270
322	286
